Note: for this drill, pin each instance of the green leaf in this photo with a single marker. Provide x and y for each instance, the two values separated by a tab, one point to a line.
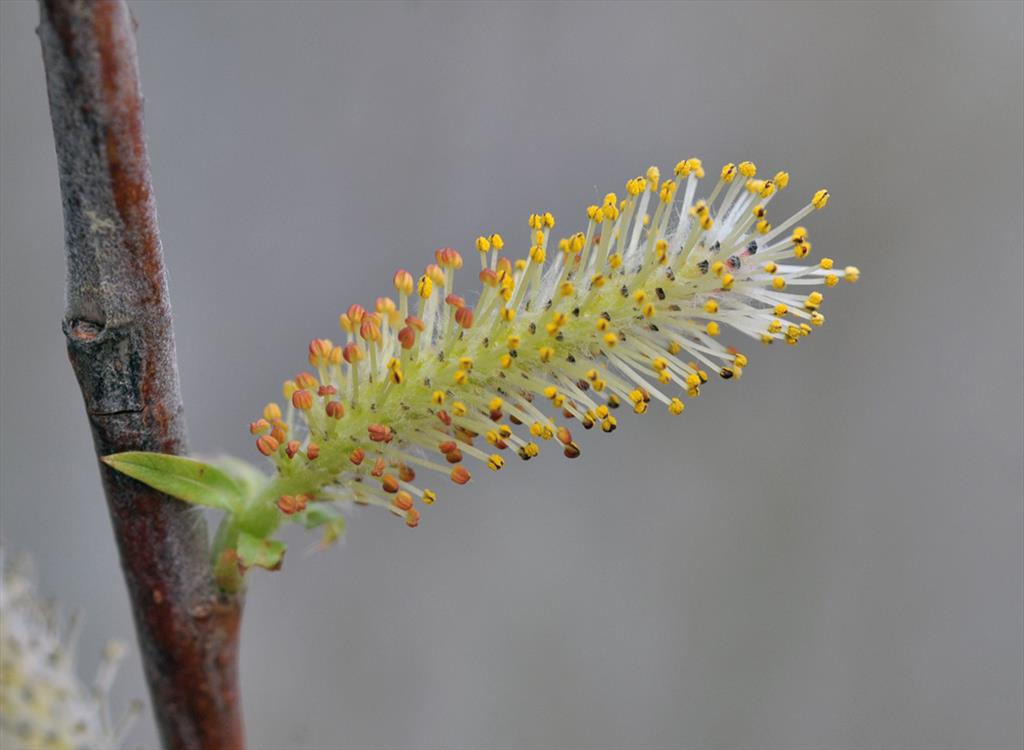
262	553
184	478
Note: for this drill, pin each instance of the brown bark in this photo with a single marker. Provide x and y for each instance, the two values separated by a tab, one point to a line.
121	346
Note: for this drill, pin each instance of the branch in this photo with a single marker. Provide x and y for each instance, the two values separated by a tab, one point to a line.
121	346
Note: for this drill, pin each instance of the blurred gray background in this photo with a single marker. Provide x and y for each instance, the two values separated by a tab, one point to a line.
827	554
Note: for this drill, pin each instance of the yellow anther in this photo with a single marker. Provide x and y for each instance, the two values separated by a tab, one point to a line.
766	338
775	326
712	328
610	199
755	186
781	309
676	406
601	411
506	361
598	385
429	496
831	280
611	339
674	347
611	213
653	175
668	191
271	412
659	364
599	215
508	314
288	388
717	267
483	244
771	267
683	168
711	306
768	189
520	265
438	397
727	281
640	407
459	409
748	168
781	180
817	319
592	212
546	353
696	167
799	234
820	199
740	360
814	299
649	310
763	226
537	254
496	241
639	296
550	392
693	380
615	260
826	264
729	172
461	377
513	341
466	363
706	222
778	282
495	404
495	462
802	249
759	211
597	281
425	286
536	429
601	324
608	424
566	289
592	374
851	274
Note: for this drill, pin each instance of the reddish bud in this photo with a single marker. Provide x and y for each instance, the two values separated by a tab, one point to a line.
326	390
352	353
279	433
335	409
389	483
406	473
267	445
416	323
356	457
454	456
380	433
403	281
488	277
378	468
464	317
259	426
302	400
564	436
412	518
312	451
455	300
459	475
407	337
444	417
292	448
447	446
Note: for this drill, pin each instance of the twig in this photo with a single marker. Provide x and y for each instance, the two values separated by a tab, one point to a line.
121	346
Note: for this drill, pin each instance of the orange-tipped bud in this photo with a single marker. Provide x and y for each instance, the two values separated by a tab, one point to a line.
258	427
378	468
356	457
292	448
402	501
455	300
459	475
320	352
412	518
279	432
267	445
312	451
413	322
454	457
464	317
326	390
448	258
380	433
271	412
353	353
447	447
355	314
389	484
335	358
306	381
435	274
488	278
444	417
291	504
369	329
403	281
406	473
564	436
335	409
407	337
302	400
